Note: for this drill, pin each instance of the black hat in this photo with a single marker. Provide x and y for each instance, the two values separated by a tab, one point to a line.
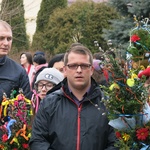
39	59
39	53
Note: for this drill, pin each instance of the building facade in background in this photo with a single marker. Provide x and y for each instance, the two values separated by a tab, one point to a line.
31	10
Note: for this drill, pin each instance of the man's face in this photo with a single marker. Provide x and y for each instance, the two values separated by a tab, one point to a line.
5	40
78	71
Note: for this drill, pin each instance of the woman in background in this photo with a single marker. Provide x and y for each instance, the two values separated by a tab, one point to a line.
27	64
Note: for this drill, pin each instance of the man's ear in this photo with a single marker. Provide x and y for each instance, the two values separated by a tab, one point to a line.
92	70
64	71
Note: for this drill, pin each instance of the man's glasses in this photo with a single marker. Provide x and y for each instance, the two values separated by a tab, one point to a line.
75	66
47	86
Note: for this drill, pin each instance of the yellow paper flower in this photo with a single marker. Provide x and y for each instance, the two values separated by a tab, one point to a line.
14	140
142	67
29	135
126	137
114	86
134	76
130	82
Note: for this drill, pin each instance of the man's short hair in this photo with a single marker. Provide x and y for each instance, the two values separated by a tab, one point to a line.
5	25
79	49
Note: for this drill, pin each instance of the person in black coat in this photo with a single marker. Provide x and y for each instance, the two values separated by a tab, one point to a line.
12	75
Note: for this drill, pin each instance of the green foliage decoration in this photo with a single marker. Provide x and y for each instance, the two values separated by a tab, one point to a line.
123	98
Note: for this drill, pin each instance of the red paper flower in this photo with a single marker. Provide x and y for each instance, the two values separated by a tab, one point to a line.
135	38
4	138
25	145
15	148
142	133
118	135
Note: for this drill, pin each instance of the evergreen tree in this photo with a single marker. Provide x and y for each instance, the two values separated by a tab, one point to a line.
13	12
120	33
81	22
46	9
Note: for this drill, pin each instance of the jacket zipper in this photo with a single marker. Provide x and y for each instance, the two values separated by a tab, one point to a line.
78	121
78	128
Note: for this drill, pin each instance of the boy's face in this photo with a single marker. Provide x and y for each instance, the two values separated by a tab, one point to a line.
43	87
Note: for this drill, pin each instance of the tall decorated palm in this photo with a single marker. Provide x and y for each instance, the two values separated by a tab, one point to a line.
127	96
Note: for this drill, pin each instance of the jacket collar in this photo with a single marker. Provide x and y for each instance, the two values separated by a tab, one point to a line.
93	92
2	60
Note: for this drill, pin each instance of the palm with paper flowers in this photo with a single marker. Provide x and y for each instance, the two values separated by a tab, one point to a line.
128	110
15	122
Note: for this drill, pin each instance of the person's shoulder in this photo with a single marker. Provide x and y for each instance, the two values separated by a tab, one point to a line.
14	62
52	100
55	94
40	68
16	65
95	89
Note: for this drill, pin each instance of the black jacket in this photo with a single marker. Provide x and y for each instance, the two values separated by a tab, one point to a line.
13	77
61	124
